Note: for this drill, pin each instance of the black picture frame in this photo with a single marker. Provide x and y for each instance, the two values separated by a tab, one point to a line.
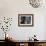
26	20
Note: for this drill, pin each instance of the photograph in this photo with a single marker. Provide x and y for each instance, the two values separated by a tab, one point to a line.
25	19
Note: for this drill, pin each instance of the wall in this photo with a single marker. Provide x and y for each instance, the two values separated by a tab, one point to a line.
11	8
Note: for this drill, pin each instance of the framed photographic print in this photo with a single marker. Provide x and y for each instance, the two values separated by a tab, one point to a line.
25	20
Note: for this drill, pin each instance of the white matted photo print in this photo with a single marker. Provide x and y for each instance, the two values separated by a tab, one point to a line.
25	19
